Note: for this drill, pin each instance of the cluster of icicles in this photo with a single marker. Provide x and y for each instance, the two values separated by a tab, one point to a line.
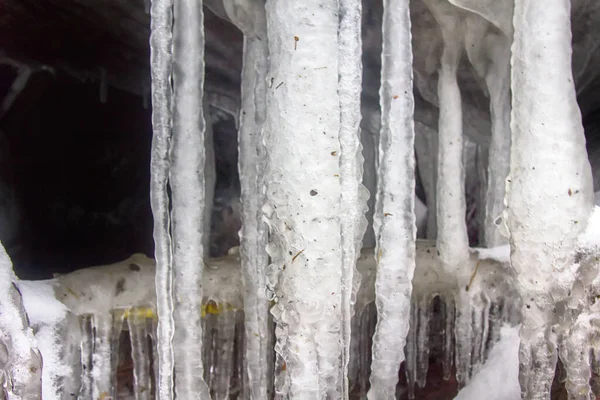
303	201
106	309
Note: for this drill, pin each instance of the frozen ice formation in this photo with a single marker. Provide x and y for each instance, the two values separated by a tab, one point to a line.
477	113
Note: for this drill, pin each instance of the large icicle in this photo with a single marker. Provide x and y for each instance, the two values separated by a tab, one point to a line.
549	195
188	187
452	239
140	354
354	196
394	219
253	236
19	356
303	205
160	66
102	372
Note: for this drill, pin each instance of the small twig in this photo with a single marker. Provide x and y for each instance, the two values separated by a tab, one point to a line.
473	275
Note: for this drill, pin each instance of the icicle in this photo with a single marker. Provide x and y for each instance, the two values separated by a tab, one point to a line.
368	319
147	6
394	220
224	355
448	345
412	350
253	236
489	53
103	88
452	239
549	194
138	336
463	337
87	349
424	315
303	210
575	355
353	194
160	66
189	197
21	361
102	356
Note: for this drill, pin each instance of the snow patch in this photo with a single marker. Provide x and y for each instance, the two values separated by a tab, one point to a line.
591	236
499	376
500	253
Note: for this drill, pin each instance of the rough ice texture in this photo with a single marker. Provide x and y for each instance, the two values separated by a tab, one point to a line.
20	360
250	18
550	194
161	40
301	135
394	219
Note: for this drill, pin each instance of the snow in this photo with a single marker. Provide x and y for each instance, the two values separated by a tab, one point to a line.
46	314
500	253
591	236
498	378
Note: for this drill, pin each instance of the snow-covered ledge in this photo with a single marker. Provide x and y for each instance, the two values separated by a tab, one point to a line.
69	312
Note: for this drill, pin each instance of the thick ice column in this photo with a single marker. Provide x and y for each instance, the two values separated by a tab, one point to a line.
550	185
160	66
394	220
188	188
19	357
302	135
253	236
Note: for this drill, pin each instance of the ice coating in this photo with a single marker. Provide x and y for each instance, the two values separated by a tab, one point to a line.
249	16
550	194
353	201
19	356
188	181
161	39
394	219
